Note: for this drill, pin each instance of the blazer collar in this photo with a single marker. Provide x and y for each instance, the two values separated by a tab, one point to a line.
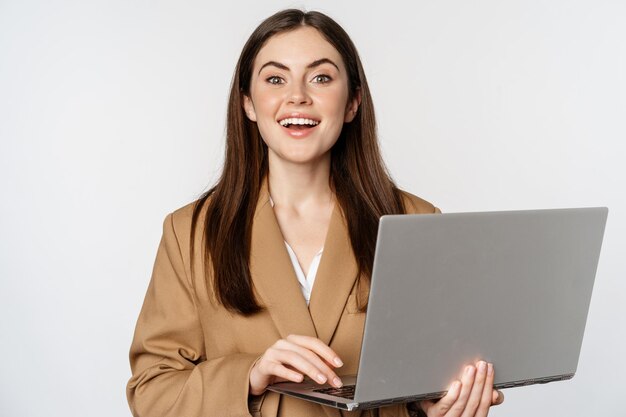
335	278
272	273
275	281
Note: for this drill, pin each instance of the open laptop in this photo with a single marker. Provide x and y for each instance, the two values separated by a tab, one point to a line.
512	288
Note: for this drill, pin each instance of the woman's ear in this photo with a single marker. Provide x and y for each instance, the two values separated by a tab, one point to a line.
248	107
353	106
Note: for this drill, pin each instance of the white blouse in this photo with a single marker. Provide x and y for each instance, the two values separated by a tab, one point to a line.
306	281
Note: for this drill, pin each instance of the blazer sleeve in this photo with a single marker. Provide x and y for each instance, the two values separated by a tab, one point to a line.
170	373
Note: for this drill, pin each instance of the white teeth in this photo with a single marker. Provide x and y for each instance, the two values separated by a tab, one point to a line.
298	121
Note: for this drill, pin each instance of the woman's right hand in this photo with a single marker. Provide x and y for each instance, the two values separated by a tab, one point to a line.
470	396
290	359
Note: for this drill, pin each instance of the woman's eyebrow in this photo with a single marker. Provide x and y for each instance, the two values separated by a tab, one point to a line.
322	61
313	64
275	64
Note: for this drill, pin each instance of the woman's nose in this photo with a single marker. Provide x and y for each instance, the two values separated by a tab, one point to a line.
298	94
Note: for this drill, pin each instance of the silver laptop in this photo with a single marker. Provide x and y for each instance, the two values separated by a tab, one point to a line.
512	288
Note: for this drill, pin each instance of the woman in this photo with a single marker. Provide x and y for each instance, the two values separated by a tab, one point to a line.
229	309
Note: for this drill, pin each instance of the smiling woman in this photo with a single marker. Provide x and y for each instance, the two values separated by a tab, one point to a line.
229	309
299	90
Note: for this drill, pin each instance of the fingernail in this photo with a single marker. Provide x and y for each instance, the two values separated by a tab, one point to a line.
489	369
482	367
321	378
337	382
469	370
338	362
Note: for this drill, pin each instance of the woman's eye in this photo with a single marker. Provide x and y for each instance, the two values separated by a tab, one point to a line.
322	79
274	80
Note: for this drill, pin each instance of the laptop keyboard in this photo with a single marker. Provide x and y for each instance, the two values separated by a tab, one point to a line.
347	391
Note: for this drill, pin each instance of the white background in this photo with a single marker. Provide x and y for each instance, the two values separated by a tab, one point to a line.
112	115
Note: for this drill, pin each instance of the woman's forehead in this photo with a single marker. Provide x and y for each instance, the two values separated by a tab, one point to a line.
298	47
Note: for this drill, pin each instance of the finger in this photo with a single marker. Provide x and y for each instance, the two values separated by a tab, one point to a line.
467	381
485	400
477	389
320	348
299	363
497	397
280	371
444	404
328	373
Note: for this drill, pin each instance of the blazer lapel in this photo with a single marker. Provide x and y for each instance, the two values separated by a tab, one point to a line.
273	275
335	278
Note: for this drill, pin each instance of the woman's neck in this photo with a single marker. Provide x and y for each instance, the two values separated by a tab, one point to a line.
298	186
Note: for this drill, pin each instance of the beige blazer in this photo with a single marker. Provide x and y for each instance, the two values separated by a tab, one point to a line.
190	357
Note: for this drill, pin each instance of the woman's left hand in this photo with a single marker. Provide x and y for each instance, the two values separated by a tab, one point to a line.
471	396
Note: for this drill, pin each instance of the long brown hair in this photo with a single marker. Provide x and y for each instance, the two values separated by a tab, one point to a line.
362	185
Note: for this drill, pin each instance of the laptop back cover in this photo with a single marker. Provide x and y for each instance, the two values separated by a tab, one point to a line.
512	288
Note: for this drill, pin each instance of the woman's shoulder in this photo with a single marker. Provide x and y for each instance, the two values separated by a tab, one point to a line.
416	205
181	218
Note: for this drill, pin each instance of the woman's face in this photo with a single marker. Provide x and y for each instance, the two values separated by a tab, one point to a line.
299	96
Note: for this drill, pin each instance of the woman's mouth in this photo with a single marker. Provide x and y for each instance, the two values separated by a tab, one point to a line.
298	126
298	123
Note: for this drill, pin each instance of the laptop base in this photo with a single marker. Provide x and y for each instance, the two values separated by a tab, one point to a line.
306	391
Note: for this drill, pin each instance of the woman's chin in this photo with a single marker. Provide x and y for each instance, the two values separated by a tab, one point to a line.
300	158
